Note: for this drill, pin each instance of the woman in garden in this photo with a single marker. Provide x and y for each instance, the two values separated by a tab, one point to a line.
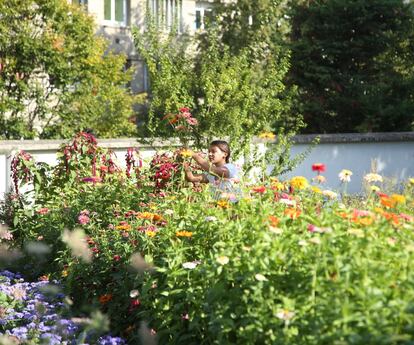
219	172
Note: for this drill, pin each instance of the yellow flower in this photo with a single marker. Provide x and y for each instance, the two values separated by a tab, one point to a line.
186	153
267	135
65	273
316	190
411	180
150	233
183	233
299	182
398	198
222	260
223	203
375	189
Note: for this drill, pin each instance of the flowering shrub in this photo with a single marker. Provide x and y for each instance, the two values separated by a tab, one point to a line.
32	313
289	263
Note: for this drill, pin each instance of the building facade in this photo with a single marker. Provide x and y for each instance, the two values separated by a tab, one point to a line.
116	18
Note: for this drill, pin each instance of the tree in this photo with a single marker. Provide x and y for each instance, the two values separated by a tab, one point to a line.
352	61
229	94
55	78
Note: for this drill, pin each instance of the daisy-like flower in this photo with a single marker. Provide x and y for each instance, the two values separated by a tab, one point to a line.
370	178
375	189
345	175
285	314
411	181
222	260
184	233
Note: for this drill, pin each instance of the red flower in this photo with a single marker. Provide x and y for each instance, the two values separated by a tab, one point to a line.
259	189
319	167
117	257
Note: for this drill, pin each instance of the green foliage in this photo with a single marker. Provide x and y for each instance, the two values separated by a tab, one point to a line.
233	95
281	266
55	78
352	62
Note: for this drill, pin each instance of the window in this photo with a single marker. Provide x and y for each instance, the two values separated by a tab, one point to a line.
203	16
166	13
115	11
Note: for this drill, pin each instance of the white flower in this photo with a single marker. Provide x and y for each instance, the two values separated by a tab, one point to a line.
222	260
191	265
285	314
330	194
303	243
260	277
134	293
168	212
373	178
315	240
345	175
210	219
287	202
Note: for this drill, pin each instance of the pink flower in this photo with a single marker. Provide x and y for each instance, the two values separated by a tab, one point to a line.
185	316
93	179
184	110
192	121
83	219
116	257
43	210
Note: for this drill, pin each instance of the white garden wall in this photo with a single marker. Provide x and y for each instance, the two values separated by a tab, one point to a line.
393	154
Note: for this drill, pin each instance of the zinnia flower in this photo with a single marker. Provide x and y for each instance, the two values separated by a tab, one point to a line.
319	167
259	189
267	135
299	182
370	178
345	175
103	299
183	233
330	194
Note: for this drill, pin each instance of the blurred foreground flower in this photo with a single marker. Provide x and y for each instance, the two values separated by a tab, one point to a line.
138	263
76	241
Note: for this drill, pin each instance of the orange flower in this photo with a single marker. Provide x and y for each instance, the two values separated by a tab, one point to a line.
150	216
223	204
124	227
184	233
363	220
387	201
103	299
274	221
392	218
292	213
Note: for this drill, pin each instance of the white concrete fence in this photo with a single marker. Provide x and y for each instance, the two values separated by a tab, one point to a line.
391	153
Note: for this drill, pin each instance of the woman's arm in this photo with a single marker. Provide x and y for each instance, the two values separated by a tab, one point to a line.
190	177
210	168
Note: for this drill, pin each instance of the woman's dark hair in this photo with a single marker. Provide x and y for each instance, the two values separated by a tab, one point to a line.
223	146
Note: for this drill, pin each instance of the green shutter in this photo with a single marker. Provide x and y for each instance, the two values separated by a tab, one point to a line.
119	11
107	10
